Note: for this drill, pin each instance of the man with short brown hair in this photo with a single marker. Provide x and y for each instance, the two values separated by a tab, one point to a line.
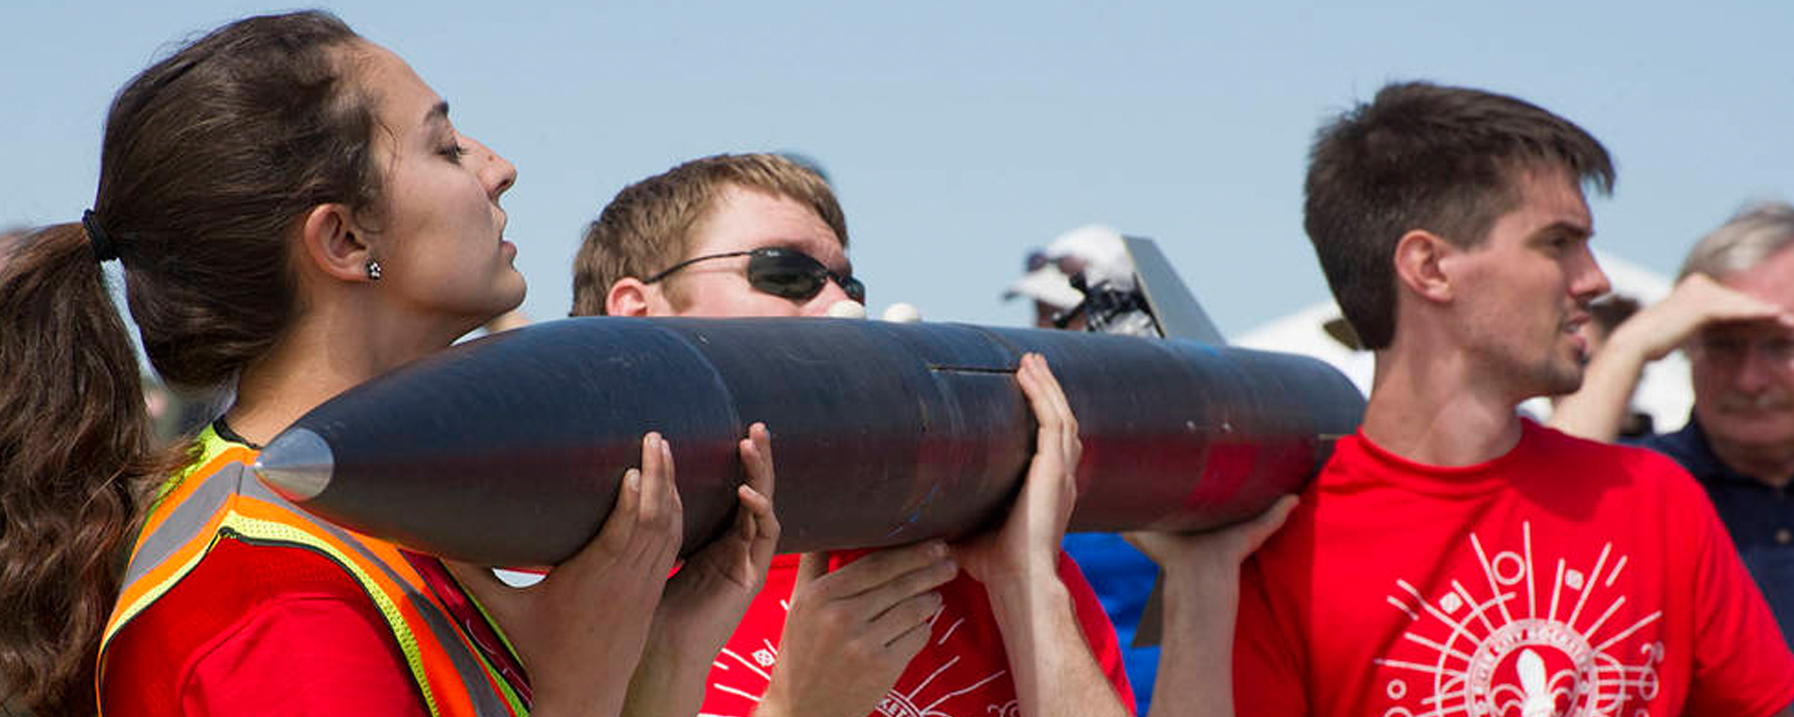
651	225
1453	558
899	631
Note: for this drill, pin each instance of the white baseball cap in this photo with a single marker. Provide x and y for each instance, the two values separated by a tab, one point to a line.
1095	250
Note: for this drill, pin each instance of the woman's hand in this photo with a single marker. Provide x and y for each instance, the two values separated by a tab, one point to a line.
580	631
706	599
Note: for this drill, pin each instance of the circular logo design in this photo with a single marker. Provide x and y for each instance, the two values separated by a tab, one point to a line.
1531	668
1567	645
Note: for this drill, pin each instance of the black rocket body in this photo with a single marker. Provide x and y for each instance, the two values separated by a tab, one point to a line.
508	450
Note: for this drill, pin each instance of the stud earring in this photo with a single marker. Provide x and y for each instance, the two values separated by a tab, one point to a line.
373	270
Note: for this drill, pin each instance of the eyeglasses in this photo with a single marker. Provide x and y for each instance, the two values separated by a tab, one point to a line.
785	273
1068	265
1731	349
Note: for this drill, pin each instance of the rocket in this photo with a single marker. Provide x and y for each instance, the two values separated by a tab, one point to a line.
508	450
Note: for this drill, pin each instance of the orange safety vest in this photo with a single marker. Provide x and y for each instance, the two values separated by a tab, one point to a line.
190	516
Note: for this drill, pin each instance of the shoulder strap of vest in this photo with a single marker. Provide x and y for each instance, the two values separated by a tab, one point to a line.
186	509
218	497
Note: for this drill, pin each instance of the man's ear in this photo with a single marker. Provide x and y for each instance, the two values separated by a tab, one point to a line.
630	297
332	244
1420	265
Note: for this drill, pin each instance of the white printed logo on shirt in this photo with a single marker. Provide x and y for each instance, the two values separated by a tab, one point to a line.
929	698
1505	643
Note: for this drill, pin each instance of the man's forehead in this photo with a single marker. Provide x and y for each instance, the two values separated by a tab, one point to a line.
756	209
1770	280
1551	197
742	218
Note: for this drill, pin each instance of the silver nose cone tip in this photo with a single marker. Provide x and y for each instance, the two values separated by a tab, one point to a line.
297	464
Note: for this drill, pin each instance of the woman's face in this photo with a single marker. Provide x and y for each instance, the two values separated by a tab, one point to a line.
438	232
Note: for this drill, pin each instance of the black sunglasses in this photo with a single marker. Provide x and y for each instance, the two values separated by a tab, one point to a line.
785	273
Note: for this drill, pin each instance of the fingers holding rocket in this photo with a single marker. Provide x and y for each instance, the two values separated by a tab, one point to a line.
580	631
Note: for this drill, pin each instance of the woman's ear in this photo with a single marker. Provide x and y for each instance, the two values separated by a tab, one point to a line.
1420	265
333	246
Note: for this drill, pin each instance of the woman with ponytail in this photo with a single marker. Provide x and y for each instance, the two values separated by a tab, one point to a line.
295	214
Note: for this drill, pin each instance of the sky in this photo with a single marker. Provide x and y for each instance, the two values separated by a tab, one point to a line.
961	134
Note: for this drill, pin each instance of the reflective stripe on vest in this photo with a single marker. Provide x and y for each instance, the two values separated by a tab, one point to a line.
220	497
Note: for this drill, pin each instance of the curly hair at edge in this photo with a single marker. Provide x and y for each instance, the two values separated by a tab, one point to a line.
69	494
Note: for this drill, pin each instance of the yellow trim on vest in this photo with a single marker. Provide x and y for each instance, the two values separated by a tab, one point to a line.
401	630
504	685
149	597
233	519
211	446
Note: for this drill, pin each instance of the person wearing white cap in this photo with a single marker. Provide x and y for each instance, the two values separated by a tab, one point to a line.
1120	575
1094	250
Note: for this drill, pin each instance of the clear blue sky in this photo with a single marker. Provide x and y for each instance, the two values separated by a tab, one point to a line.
959	134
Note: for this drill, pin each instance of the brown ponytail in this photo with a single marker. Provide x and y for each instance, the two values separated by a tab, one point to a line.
76	458
210	158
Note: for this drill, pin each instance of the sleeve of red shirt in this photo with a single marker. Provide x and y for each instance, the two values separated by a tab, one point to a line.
1267	671
1742	666
1098	631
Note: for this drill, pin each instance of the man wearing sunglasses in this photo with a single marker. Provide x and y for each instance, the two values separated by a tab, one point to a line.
901	631
755	235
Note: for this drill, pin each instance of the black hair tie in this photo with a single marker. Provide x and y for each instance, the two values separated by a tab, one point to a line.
103	250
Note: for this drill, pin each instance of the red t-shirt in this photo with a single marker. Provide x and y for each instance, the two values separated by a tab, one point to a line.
259	630
273	630
1564	578
961	672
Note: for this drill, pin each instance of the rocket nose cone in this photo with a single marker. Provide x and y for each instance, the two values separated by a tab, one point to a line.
297	464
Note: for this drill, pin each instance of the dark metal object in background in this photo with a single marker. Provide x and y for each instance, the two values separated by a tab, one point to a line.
1176	315
507	450
1174	308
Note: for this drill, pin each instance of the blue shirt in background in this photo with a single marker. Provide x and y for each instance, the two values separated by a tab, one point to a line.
1759	516
1122	579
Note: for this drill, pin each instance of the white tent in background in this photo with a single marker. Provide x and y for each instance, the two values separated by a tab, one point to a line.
1664	392
1305	333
